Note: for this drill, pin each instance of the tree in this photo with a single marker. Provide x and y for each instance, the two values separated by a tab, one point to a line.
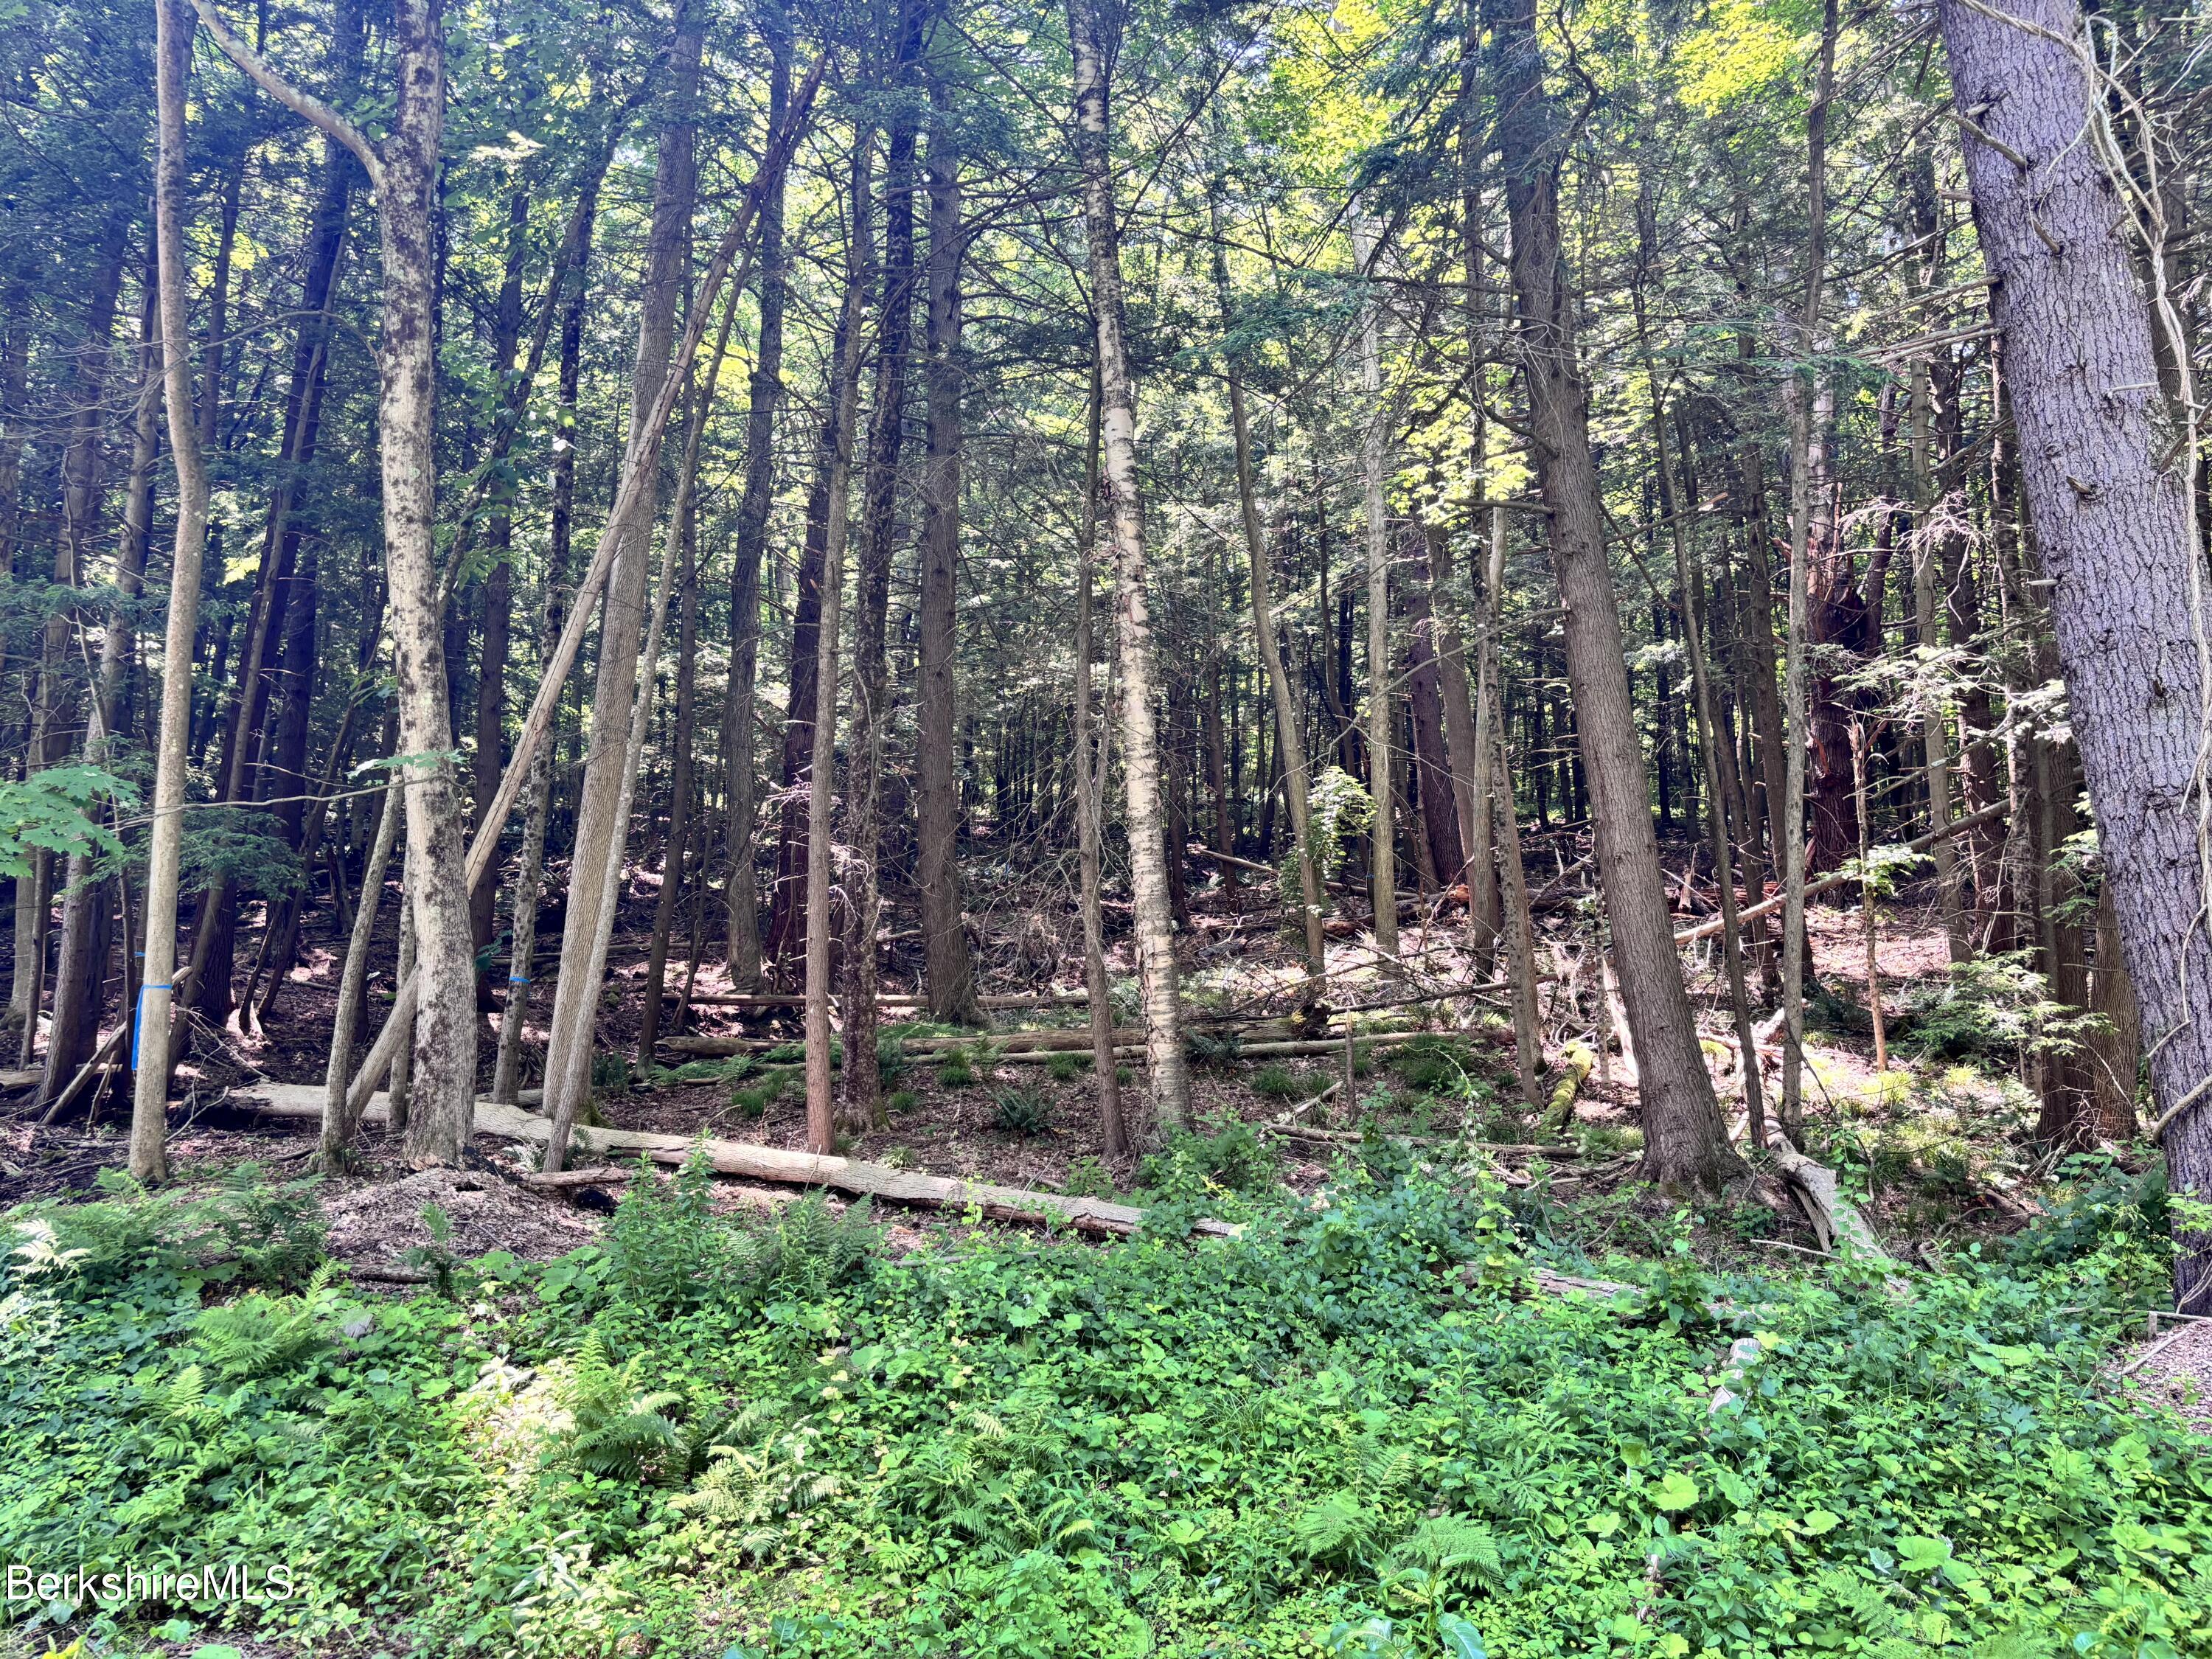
1123	515
2114	511
1683	1141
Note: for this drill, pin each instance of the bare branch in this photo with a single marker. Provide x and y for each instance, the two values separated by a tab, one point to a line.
308	108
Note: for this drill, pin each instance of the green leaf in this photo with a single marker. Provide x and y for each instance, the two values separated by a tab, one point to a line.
1676	1492
1461	1640
1817	1522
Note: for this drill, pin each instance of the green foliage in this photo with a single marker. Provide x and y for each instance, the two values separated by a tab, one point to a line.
1991	1008
52	811
1087	1178
1434	1065
1339	811
892	1060
435	1258
610	1075
244	847
1065	1065
956	1070
1344	1430
246	1229
1277	1083
1021	1110
617	1429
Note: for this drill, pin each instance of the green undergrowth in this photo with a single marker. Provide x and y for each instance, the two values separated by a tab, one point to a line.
1348	1430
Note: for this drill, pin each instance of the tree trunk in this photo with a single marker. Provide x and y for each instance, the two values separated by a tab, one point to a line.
741	898
1683	1139
149	1157
821	773
1167	1075
1289	745
949	975
1382	869
80	974
1430	762
601	838
340	1119
2114	524
864	766
685	530
1805	433
1091	811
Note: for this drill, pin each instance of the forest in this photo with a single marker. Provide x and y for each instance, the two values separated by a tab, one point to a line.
1188	827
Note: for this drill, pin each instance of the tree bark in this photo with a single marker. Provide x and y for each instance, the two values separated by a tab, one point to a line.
821	774
949	975
862	1086
1683	1140
1090	809
149	1157
1167	1075
601	838
2115	522
741	898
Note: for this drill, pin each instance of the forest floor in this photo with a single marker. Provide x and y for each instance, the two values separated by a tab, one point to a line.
488	1435
1932	1148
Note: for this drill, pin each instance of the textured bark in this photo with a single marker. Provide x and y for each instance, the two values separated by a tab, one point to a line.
149	1159
2113	525
741	898
1090	811
1168	1074
601	839
861	1085
2115	1043
1683	1139
821	773
445	1049
1382	869
949	975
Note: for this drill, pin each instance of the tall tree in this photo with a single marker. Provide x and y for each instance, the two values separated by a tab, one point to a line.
1684	1144
2114	513
1168	1073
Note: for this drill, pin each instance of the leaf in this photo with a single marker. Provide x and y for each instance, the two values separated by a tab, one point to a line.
1461	1640
1817	1522
1676	1492
1923	1554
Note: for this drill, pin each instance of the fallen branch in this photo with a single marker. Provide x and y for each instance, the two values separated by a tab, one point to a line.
845	1174
1768	907
605	1175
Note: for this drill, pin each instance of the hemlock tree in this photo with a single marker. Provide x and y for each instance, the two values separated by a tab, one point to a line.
2106	462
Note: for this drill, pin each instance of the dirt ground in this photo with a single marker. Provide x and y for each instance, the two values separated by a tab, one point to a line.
1237	958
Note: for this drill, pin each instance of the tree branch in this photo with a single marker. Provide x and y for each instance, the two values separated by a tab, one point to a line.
309	108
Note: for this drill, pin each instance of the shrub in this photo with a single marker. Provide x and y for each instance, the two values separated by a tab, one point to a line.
1065	1065
1277	1083
1021	1110
955	1071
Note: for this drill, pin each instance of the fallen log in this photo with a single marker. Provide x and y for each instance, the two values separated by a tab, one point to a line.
1812	889
845	1174
605	1175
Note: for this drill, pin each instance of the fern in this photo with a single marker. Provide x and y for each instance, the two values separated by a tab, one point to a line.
1347	1527
618	1429
750	1492
256	1337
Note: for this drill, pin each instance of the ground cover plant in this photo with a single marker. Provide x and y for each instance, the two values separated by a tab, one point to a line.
1350	1429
